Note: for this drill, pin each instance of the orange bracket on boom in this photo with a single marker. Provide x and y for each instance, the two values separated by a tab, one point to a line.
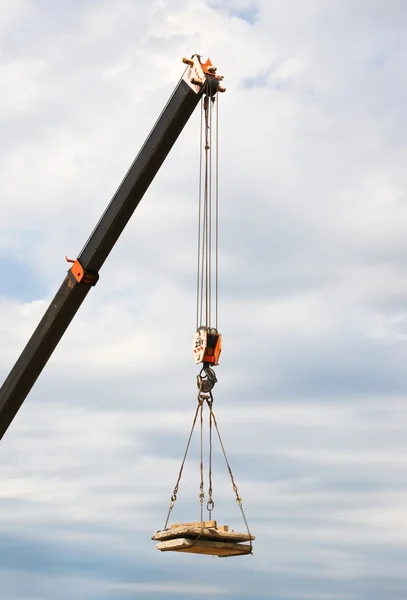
80	274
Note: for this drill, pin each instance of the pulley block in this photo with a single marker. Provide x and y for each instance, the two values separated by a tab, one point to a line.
207	346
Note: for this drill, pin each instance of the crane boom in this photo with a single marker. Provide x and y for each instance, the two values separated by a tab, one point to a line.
199	78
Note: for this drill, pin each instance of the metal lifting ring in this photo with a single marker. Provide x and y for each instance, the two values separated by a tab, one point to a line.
210	505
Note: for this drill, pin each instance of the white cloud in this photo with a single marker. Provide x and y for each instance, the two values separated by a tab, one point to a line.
167	588
311	392
12	12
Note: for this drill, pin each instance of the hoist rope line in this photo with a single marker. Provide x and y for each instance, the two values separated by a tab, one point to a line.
210	504
235	489
208	217
203	218
198	282
209	257
217	215
175	492
201	468
202	272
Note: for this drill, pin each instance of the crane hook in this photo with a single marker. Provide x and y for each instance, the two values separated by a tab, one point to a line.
206	379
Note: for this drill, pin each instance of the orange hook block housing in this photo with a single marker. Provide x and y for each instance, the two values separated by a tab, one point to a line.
207	346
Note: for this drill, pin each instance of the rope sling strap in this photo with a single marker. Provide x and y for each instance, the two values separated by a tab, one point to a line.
205	537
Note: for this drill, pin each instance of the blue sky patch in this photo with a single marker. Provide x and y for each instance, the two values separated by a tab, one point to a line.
18	280
247	11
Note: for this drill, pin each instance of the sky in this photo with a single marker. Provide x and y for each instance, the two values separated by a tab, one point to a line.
311	397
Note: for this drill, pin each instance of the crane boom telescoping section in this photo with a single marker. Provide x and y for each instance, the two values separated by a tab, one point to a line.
198	79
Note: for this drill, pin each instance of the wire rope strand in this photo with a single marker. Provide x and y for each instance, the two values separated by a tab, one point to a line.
203	226
175	492
198	278
210	104
217	216
207	207
202	483
202	265
204	275
235	489
211	504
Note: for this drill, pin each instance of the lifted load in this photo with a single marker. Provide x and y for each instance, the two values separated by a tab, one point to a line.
203	538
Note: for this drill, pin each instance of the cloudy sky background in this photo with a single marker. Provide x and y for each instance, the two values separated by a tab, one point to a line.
311	399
